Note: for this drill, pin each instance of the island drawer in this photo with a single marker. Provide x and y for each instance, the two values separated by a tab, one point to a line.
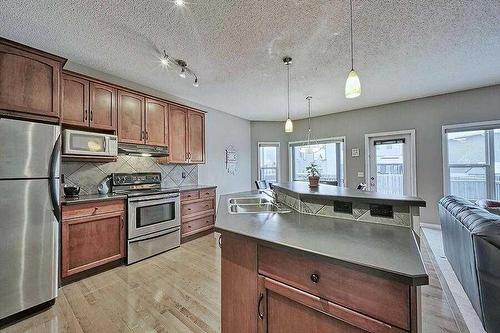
92	208
354	289
196	207
194	225
190	195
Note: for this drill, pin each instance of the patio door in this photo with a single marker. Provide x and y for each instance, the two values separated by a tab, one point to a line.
391	163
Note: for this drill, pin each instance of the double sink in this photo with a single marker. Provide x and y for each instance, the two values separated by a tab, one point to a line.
253	205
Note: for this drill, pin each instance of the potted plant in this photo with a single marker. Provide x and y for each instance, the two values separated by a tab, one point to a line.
313	172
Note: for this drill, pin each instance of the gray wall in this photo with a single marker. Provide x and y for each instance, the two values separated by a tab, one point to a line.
222	129
425	115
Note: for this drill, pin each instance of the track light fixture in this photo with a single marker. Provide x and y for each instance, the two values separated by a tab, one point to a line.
182	66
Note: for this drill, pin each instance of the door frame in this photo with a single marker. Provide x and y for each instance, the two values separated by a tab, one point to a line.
413	156
278	161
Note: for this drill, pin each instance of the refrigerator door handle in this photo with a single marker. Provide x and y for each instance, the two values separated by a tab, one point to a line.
53	180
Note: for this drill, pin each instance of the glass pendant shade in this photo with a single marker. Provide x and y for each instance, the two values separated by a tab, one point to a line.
288	126
352	85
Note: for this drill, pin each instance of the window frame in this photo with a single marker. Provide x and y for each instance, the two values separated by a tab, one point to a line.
489	165
278	158
337	139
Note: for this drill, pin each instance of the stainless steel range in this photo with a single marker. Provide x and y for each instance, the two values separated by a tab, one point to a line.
153	214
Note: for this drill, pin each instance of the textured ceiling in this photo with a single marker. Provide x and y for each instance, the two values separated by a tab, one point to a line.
403	49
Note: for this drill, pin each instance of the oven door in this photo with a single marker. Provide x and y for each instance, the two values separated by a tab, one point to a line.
154	213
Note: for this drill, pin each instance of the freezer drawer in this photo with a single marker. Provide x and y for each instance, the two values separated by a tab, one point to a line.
28	245
26	149
149	245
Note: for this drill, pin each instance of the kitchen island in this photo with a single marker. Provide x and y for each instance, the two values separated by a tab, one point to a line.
296	272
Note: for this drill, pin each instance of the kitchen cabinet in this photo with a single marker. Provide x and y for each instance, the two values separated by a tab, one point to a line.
87	103
178	139
156	122
131	117
267	289
239	289
196	142
102	106
187	136
197	213
29	81
92	234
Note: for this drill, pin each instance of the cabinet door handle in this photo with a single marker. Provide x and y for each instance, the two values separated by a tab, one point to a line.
261	315
85	114
91	115
147	135
220	241
142	135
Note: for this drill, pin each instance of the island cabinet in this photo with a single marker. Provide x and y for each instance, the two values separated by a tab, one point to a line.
87	103
92	234
197	213
29	82
265	289
187	136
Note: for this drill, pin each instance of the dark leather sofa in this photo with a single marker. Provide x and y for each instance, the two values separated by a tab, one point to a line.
471	237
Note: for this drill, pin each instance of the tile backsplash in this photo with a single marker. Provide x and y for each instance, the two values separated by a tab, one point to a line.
88	175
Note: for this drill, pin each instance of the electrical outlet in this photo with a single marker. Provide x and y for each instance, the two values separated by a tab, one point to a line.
361	174
184	175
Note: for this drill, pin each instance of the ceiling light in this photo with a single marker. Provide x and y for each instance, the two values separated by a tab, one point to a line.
314	147
182	73
288	124
180	3
352	84
195	83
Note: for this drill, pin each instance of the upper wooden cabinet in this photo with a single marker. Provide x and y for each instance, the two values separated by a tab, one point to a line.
178	138
196	142
131	117
156	122
102	106
29	80
88	104
187	136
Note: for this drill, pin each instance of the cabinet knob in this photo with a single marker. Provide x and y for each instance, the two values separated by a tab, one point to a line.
315	278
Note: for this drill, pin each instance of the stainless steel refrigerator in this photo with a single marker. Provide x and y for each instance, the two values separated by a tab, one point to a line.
29	215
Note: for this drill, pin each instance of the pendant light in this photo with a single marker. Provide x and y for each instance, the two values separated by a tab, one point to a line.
308	148
288	124
352	84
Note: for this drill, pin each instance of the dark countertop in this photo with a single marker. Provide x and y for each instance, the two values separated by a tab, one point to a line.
91	198
195	187
389	250
344	193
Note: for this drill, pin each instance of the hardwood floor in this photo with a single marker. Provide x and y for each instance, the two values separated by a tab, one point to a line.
178	291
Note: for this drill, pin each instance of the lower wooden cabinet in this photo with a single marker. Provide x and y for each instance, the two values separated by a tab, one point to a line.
197	212
92	234
273	290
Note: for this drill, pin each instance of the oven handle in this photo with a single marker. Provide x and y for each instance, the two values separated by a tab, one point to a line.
145	238
164	199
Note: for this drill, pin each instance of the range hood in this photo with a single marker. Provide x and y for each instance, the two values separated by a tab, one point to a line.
142	150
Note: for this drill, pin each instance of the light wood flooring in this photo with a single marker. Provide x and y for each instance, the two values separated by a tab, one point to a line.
178	291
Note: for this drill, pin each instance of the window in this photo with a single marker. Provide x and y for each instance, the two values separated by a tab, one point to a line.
472	161
330	160
269	154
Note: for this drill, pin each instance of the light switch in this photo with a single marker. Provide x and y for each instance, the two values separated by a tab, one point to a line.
355	152
361	175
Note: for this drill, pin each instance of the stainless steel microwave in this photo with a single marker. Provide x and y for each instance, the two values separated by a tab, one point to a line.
89	143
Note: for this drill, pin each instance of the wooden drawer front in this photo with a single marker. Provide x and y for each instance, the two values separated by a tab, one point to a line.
207	193
351	288
188	227
196	207
190	195
91	209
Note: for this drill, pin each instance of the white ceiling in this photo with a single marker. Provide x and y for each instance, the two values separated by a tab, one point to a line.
403	49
